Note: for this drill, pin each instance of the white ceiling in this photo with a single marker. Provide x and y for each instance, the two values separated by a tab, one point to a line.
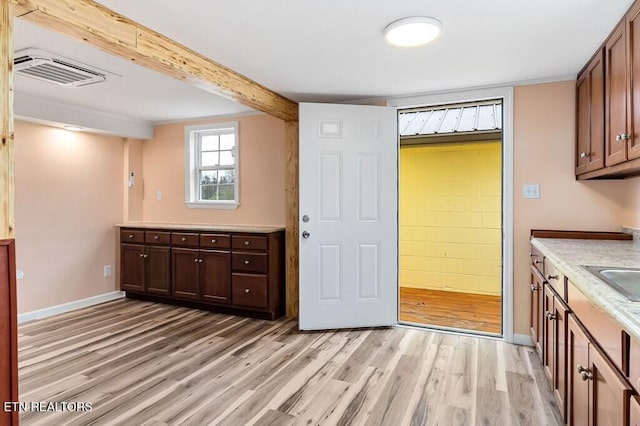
333	50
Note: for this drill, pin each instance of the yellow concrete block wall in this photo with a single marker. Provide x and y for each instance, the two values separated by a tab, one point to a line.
450	217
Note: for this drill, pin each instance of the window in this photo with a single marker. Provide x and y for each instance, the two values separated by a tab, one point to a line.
212	166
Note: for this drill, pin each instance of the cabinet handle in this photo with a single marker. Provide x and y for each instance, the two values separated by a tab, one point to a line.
214	241
156	237
537	262
130	236
552	277
246	290
246	262
195	260
584	154
585	373
142	255
531	254
246	243
550	316
200	260
623	137
534	287
183	239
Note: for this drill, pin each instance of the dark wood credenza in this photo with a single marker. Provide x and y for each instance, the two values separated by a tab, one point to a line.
235	272
8	332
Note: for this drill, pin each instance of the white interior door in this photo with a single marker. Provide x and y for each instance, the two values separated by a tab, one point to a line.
348	216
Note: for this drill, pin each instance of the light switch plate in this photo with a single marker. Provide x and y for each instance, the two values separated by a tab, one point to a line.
531	190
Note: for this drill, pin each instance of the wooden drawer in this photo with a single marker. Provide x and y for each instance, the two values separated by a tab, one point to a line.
634	364
249	262
131	236
185	239
249	290
249	242
605	331
555	279
157	237
536	258
215	240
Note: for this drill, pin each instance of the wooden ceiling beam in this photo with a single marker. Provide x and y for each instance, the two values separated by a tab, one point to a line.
7	188
116	34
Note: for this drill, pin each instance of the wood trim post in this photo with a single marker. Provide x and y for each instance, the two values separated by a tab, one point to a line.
8	331
292	212
6	121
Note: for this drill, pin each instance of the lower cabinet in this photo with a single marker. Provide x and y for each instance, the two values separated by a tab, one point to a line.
555	347
598	394
240	273
634	411
536	300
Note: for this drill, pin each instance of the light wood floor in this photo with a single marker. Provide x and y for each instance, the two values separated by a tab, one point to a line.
140	363
475	312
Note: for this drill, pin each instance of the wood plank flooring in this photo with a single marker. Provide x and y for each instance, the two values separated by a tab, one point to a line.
475	312
140	363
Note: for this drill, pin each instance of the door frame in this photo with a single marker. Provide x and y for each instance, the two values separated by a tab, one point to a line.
506	94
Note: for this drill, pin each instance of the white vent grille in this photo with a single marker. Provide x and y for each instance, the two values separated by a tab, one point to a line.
48	67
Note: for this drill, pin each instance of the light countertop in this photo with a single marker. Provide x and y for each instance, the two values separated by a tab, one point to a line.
201	227
568	256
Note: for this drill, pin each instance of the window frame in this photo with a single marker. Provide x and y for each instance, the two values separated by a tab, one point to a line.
193	149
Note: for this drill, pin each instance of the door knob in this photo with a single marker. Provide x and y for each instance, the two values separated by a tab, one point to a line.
305	234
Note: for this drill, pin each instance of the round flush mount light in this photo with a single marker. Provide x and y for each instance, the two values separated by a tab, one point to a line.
412	32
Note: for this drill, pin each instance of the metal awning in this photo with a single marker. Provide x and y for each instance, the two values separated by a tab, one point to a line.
471	121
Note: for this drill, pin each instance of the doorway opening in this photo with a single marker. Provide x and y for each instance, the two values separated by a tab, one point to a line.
450	217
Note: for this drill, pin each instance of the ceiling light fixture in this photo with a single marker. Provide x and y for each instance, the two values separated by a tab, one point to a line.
412	32
73	128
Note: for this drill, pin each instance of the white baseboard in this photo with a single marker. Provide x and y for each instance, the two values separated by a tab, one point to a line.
71	306
522	339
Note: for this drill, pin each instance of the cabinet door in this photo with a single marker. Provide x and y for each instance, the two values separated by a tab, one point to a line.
560	354
616	106
185	265
158	270
634	411
609	393
590	117
633	38
577	360
132	267
549	342
535	320
215	276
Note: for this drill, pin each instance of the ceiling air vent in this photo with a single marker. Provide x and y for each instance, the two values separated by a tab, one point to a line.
55	69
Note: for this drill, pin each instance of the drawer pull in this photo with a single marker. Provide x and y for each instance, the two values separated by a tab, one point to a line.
195	260
130	236
584	373
142	255
200	260
183	239
246	243
246	290
532	254
552	277
246	262
156	237
534	287
550	316
214	241
537	261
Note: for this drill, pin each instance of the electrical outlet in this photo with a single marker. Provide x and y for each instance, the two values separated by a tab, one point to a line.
531	190
19	274
107	270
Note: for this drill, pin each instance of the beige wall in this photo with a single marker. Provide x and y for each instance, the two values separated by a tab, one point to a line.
544	138
262	175
632	206
133	196
68	197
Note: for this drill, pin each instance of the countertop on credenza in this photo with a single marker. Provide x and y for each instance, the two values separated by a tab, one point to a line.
201	227
568	256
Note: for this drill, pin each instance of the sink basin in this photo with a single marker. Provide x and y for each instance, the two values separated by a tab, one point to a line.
625	281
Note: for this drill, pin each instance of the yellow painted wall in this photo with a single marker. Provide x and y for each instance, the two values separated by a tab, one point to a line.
450	217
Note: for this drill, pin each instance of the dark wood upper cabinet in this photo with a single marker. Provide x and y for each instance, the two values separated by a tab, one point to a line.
590	116
616	98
